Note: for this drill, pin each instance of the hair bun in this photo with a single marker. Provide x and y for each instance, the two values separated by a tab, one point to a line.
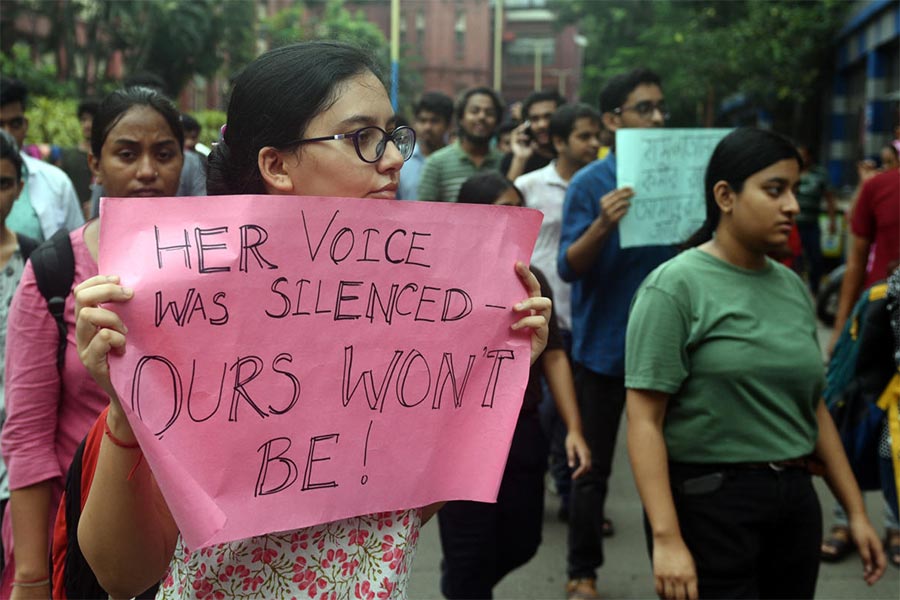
218	181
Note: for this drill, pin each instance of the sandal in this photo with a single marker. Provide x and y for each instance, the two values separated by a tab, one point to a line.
582	589
892	546
837	545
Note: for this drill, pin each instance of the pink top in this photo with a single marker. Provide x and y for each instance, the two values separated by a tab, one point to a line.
45	420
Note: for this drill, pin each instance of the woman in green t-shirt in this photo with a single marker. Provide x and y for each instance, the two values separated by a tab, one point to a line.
724	377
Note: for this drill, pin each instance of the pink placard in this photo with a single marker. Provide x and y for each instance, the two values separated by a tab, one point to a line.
294	361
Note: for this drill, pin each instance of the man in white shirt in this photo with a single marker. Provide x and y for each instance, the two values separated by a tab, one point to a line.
574	130
575	134
48	200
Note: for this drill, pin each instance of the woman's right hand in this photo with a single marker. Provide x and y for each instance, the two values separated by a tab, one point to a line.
673	569
99	330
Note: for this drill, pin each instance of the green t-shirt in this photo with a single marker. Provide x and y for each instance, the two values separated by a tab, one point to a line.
447	169
737	352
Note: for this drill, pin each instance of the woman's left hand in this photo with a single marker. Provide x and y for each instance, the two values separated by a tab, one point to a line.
870	549
537	311
578	454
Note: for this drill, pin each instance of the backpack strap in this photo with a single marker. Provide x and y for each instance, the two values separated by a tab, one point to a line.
27	245
54	271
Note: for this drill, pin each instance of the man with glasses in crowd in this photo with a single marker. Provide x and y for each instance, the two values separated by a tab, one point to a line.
478	113
48	201
604	278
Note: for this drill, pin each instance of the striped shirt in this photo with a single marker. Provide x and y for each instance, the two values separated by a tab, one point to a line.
447	169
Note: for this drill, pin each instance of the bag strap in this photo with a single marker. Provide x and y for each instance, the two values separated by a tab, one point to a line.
54	271
27	245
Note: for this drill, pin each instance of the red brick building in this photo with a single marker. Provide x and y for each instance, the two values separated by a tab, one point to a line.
451	43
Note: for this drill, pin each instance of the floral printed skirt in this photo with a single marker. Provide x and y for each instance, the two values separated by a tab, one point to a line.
362	557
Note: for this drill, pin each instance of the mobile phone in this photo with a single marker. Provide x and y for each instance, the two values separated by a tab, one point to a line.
703	484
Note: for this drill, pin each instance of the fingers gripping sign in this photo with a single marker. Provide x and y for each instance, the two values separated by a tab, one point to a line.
99	330
615	205
537	311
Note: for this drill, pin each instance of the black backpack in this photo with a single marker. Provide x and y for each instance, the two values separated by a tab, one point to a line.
54	271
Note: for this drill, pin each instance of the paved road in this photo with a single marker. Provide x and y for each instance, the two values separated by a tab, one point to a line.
627	570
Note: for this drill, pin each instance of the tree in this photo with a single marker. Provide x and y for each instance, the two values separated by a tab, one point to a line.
775	54
330	20
175	39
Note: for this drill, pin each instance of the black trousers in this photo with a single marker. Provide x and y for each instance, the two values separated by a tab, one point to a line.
600	400
483	542
753	533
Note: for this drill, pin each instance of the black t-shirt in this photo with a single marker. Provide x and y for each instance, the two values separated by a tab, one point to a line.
535	161
554	342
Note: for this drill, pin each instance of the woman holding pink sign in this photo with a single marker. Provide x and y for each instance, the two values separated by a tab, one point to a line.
308	119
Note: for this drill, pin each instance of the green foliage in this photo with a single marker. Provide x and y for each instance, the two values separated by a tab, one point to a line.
775	53
210	123
53	121
330	20
285	27
40	80
174	39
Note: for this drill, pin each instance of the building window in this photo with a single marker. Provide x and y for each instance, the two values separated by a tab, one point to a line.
404	37
420	32
460	30
521	52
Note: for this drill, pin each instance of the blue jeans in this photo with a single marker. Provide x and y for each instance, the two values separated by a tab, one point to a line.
888	489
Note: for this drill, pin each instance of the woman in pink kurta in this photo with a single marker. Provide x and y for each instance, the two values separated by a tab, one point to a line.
49	411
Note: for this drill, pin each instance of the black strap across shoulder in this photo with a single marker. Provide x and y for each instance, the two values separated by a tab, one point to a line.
54	271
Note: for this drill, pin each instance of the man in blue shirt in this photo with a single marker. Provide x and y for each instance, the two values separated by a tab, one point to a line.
433	113
604	278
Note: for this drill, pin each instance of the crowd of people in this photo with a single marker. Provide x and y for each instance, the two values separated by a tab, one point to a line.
710	348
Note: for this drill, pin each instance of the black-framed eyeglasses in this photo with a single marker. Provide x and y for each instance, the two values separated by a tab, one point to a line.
15	123
371	142
645	109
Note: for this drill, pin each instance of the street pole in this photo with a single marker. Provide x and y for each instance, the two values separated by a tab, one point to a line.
498	44
538	66
395	53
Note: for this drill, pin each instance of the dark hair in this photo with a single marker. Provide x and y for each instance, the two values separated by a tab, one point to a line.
10	151
119	102
464	100
615	92
189	123
740	154
506	126
541	96
563	120
12	90
88	106
272	102
437	103
145	79
485	188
